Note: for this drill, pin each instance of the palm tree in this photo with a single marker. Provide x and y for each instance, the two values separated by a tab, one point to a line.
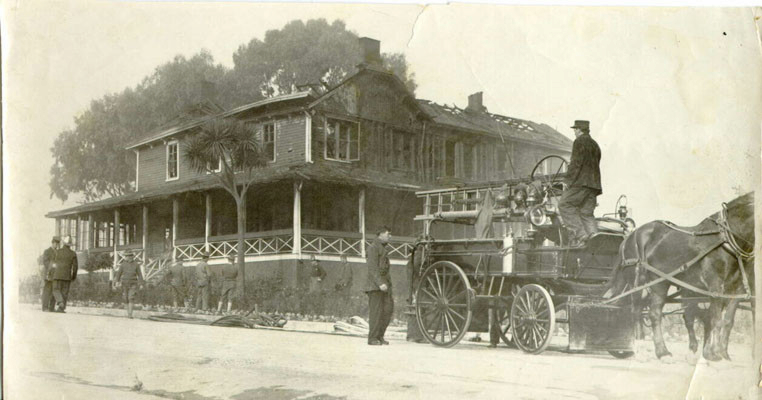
229	150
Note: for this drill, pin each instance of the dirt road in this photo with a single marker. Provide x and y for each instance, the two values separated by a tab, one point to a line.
76	356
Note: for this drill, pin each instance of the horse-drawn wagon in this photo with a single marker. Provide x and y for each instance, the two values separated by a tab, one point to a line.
507	265
507	260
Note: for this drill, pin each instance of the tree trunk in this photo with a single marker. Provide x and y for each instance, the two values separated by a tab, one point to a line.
241	216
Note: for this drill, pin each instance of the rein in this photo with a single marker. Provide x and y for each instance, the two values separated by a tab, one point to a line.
727	241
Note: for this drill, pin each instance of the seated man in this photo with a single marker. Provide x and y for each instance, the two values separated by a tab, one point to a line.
584	185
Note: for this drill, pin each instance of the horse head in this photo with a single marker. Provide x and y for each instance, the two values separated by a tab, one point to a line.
740	218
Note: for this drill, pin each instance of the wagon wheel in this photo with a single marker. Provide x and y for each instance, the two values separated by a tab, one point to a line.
622	354
550	181
533	318
443	306
502	317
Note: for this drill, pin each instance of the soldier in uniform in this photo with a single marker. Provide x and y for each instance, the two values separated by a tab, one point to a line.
584	185
46	274
176	277
229	283
65	271
202	278
130	278
379	288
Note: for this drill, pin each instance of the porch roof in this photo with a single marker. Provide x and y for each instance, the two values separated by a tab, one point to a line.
322	172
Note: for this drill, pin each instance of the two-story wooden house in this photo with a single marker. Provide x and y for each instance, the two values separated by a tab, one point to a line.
342	164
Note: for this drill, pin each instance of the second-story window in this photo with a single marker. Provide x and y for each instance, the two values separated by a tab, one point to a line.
173	161
268	141
342	141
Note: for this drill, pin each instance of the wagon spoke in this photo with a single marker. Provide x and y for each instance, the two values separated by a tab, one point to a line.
458	314
456	296
434	288
447	321
429	294
439	284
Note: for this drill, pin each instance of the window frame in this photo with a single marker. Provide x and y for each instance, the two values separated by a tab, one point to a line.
263	143
332	123
169	144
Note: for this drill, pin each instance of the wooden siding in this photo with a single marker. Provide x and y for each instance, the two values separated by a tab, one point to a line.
289	150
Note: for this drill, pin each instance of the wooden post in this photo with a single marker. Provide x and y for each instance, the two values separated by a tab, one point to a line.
361	211
145	233
68	226
297	247
175	213
208	224
77	234
116	242
58	227
90	231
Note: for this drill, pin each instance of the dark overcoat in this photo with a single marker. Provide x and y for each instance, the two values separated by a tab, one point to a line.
584	168
378	267
65	265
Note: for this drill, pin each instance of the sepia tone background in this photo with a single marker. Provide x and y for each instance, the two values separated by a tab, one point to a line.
674	96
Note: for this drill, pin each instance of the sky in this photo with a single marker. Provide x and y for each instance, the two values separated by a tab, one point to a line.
673	94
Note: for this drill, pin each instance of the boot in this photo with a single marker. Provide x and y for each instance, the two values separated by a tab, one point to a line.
129	310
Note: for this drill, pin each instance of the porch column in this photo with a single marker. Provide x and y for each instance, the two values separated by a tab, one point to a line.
175	213
77	234
297	247
116	242
362	221
68	226
145	233
90	231
208	224
58	228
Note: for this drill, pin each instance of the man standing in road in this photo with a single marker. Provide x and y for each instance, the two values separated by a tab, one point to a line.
176	277
131	279
229	283
203	275
583	179
46	274
65	271
379	288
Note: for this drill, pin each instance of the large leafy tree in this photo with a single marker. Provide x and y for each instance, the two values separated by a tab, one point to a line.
90	159
303	53
229	150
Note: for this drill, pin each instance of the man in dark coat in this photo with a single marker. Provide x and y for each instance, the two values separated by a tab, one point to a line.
379	288
46	274
203	282
130	278
65	272
584	185
176	277
229	284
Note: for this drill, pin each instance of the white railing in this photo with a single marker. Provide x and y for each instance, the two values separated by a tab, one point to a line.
322	243
121	255
154	268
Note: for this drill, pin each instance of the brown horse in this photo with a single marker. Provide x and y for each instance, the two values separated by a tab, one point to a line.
703	258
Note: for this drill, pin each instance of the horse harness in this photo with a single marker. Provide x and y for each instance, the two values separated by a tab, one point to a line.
727	240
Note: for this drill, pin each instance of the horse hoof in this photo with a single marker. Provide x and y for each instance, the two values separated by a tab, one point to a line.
712	357
668	359
693	347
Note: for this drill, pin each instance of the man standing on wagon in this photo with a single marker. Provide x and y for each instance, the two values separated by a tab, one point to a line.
583	179
379	288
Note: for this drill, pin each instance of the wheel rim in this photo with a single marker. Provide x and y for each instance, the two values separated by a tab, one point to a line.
533	318
443	304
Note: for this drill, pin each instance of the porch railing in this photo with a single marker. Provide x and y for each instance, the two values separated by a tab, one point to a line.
282	242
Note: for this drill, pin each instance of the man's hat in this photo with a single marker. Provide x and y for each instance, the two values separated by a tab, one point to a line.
56	239
581	124
67	241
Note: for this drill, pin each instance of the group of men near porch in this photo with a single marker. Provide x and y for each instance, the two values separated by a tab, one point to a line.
201	280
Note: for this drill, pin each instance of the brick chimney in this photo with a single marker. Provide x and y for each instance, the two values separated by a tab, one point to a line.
475	103
371	51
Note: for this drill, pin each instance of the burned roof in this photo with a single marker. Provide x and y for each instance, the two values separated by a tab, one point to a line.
495	124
